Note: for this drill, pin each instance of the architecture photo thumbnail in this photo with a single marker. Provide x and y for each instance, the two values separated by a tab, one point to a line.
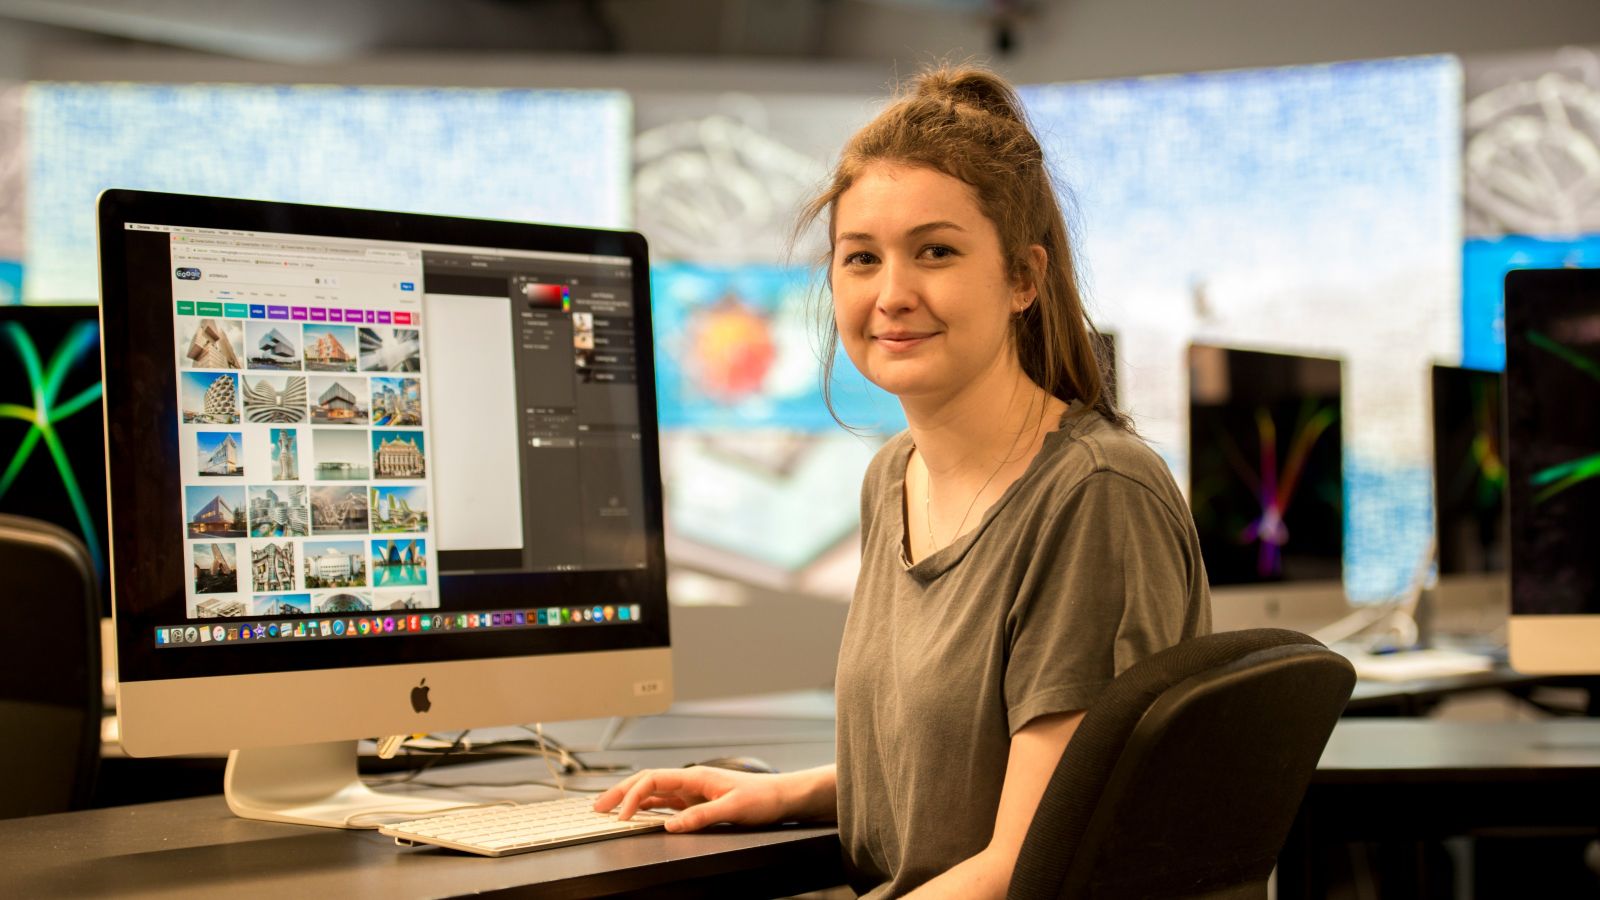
335	564
397	402
209	398
340	455
285	444
339	509
275	400
217	453
273	345
398	454
342	602
399	563
390	350
216	568
280	605
279	511
211	343
272	566
399	510
339	401
215	511
330	348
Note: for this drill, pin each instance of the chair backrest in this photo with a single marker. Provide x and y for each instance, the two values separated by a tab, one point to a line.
1183	778
50	690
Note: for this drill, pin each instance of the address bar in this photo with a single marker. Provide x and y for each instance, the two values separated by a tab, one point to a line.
228	254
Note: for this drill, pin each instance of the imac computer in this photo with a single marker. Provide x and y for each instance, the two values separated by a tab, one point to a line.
1472	528
52	437
1266	484
373	474
1553	429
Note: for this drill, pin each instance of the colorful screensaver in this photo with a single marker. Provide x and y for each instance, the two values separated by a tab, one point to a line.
1266	487
52	442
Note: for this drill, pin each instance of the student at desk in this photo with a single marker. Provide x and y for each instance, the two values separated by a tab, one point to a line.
1020	545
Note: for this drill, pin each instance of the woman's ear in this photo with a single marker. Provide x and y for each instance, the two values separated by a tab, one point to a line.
1028	281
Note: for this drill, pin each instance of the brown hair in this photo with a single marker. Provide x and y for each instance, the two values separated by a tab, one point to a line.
968	123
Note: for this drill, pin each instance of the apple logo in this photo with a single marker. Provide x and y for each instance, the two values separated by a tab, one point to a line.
419	697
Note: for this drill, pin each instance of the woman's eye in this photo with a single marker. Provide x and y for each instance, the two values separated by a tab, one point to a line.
859	258
938	251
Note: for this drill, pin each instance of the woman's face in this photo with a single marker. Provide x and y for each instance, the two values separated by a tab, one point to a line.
921	295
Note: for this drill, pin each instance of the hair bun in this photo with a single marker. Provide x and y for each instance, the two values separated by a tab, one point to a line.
969	86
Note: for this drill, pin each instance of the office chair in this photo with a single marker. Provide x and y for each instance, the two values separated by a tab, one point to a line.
1183	778
50	691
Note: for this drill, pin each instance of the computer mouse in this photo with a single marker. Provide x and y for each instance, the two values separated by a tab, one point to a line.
739	764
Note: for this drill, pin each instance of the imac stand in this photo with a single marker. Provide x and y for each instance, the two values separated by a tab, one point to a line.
314	784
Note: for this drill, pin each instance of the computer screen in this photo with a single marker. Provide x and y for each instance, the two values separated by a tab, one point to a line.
1469	471
1266	484
357	449
52	431
1552	394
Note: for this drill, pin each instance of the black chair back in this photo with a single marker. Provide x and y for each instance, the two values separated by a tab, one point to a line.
50	691
1183	779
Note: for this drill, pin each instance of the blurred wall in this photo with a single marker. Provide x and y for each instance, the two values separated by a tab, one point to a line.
863	44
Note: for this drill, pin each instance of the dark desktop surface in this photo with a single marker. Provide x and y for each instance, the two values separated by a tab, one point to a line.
196	847
1398	782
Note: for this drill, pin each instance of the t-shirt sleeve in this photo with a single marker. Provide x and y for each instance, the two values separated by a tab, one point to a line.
1110	580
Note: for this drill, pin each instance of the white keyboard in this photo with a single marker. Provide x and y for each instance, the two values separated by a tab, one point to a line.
504	830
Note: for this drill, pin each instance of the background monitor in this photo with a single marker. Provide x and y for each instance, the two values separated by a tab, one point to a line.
52	430
1553	422
1266	481
1469	476
373	474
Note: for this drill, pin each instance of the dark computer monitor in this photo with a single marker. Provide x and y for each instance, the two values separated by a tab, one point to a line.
1469	471
1265	474
52	428
371	475
1553	431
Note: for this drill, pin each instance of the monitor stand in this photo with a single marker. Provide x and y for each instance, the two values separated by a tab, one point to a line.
315	784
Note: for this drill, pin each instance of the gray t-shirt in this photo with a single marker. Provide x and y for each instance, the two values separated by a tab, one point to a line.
1088	563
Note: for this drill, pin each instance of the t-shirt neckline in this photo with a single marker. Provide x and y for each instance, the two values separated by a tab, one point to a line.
945	558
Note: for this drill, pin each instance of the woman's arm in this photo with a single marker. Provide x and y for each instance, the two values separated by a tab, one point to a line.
708	796
1035	752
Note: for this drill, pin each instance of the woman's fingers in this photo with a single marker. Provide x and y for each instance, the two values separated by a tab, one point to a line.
659	783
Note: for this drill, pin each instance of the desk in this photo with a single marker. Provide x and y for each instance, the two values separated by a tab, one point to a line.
1417	780
1429	779
197	848
1417	697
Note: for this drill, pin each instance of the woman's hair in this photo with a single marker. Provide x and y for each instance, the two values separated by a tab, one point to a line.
967	122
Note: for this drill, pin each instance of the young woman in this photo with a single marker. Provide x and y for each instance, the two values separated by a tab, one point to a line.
1020	545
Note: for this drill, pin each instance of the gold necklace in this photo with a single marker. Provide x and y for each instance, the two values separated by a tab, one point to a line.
927	495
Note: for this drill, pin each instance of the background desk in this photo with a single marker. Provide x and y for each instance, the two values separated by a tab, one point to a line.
1419	780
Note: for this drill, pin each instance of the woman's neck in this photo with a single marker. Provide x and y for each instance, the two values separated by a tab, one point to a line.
989	420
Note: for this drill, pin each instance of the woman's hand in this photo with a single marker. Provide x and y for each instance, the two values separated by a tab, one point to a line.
707	796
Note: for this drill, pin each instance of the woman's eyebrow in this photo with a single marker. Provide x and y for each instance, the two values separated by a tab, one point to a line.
924	228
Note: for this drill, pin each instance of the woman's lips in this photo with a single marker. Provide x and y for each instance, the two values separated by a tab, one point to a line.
900	342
